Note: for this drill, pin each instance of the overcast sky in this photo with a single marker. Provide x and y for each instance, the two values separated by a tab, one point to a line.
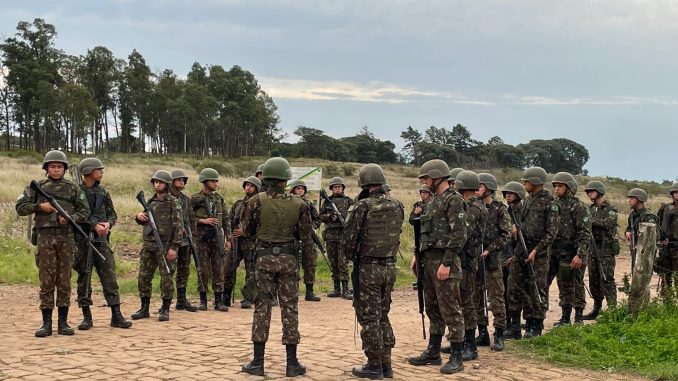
602	73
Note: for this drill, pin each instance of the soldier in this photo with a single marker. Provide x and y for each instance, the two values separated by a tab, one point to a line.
443	235
453	175
514	193
273	217
372	235
539	218
606	247
259	173
98	226
54	238
308	263
636	199
571	247
667	263
179	181
419	207
333	234
167	213
243	247
387	189
212	218
495	239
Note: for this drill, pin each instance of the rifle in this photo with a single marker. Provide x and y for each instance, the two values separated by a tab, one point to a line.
327	199
483	277
633	242
69	218
218	233
597	255
521	239
154	228
320	246
419	260
194	253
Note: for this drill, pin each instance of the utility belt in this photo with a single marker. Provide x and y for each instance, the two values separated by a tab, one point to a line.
435	254
60	230
377	260
284	248
568	247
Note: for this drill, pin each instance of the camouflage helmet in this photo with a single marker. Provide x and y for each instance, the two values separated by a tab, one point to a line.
567	179
55	156
489	180
424	188
88	165
467	180
434	169
595	186
179	174
336	181
162	175
638	193
514	187
674	188
371	174
454	172
208	174
535	175
260	169
254	181
277	168
386	188
297	183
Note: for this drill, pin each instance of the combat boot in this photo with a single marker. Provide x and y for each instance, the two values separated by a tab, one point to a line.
143	312
529	331
164	310
372	370
483	339
470	351
203	301
337	291
219	302
430	356
183	303
345	292
386	367
256	366
446	349
63	328
579	316
514	331
498	345
245	304
310	296
227	297
294	367
565	319
455	363
535	328
46	329
117	320
597	305
86	319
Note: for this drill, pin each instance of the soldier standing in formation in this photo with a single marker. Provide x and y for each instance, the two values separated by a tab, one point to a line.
496	237
514	193
667	264
54	238
604	250
167	213
98	226
419	207
333	234
309	261
443	235
243	247
274	217
212	222
179	181
636	199
571	247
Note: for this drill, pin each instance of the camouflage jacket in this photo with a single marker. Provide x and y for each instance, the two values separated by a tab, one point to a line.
100	205
168	217
574	231
444	225
642	215
668	221
540	218
188	218
315	217
603	223
419	204
476	223
333	229
244	243
200	202
373	226
498	228
68	194
513	243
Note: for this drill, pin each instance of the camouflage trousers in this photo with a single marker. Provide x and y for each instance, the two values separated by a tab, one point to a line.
603	289
277	272
53	258
570	283
338	260
183	266
105	270
308	265
506	270
372	308
211	266
231	266
443	300
494	284
469	298
522	292
669	263
150	260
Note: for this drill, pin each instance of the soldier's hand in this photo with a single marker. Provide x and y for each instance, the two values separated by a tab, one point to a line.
443	272
62	221
628	236
576	262
508	262
227	245
485	253
47	207
102	228
142	217
209	221
417	210
664	242
333	217
171	255
514	231
237	233
532	256
413	266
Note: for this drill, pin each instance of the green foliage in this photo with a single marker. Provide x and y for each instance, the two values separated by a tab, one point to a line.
17	261
224	168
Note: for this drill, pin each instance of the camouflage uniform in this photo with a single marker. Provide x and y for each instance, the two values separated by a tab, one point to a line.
333	234
667	263
419	204
637	217
184	252
604	228
372	234
211	263
476	217
243	251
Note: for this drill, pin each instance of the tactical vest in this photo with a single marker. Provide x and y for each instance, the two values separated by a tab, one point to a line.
382	227
534	215
567	231
96	198
475	236
492	231
64	192
278	218
342	203
201	202
670	221
435	228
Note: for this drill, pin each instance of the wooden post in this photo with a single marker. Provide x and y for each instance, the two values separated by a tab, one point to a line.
646	250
